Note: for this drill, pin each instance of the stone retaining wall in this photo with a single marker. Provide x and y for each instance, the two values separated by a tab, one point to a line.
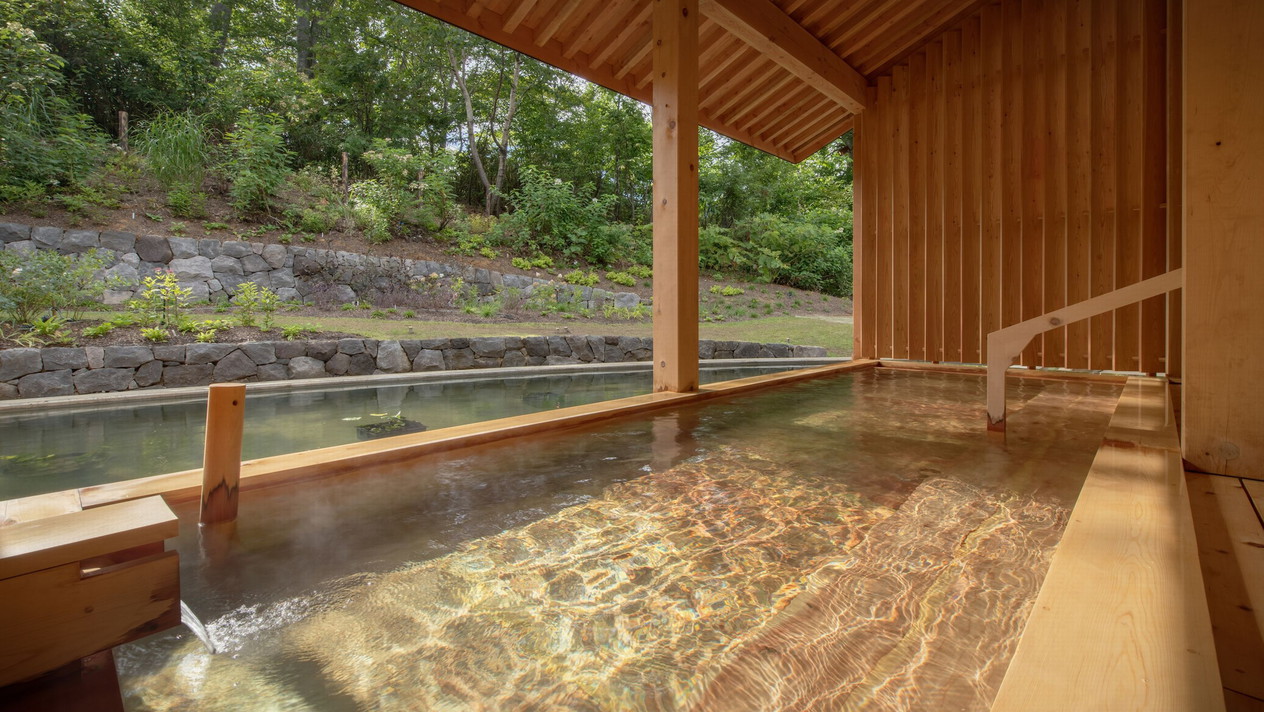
36	373
212	269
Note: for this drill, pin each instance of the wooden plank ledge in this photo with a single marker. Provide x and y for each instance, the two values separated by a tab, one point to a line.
1121	622
348	459
76	536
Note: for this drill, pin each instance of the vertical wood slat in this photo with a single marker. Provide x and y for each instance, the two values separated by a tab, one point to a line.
1102	242
1079	164
1154	188
1021	164
859	220
1011	126
972	167
868	257
1055	223
991	173
1130	86
900	214
1033	170
1175	182
917	233
885	243
934	136
954	240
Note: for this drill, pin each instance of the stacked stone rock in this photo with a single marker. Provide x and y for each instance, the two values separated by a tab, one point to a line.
212	269
35	373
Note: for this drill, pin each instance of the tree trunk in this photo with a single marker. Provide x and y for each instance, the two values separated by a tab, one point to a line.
458	72
502	144
221	21
303	37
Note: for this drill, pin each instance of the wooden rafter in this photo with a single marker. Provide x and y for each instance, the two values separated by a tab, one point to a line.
776	35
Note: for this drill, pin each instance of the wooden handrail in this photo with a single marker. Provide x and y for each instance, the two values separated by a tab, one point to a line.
1005	345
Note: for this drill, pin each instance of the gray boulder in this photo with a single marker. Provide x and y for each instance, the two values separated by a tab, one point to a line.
103	380
80	241
514	359
118	241
626	300
14	232
127	356
58	358
169	352
207	353
190	375
322	350
226	265
15	363
361	365
306	367
47	237
391	358
488	348
274	372
210	248
455	359
429	360
254	263
153	248
260	352
274	255
289	349
149	374
350	346
183	247
48	383
237	249
234	367
190	269
23	247
338	364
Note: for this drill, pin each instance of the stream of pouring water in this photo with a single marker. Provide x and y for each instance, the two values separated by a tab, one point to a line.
190	619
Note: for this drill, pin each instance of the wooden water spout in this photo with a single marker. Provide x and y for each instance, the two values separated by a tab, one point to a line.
221	458
1005	346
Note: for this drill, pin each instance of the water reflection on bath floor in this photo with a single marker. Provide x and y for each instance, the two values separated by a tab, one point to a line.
847	543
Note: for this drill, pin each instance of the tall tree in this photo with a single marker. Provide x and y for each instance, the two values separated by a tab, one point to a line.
460	59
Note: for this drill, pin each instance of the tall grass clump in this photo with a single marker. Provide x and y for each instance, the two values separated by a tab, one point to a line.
176	149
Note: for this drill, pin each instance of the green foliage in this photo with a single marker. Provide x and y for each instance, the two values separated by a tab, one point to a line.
316	220
155	335
161	301
640	312
376	206
214	226
177	150
186	202
45	282
377	314
727	290
623	278
44	142
640	271
178	228
296	331
581	278
258	161
99	330
549	216
255	305
206	337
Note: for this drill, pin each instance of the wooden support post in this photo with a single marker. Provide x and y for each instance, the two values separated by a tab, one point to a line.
221	460
675	119
123	131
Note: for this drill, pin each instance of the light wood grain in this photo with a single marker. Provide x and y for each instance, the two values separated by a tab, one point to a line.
1224	252
675	207
221	459
65	538
1217	510
1121	621
55	616
26	509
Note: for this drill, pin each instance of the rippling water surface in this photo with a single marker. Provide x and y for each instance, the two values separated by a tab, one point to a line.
851	543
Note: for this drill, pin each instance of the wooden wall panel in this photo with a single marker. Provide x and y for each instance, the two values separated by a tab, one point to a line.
1019	163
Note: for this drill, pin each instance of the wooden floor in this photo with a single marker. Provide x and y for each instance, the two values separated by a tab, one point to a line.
1231	551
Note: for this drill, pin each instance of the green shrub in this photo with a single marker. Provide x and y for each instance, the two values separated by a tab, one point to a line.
177	150
161	301
579	277
206	337
376	206
258	161
255	305
316	220
185	202
640	271
102	329
45	282
521	263
550	216
154	335
623	278
727	290
213	226
44	142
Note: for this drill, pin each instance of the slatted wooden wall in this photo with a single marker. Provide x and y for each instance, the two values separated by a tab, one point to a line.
1015	164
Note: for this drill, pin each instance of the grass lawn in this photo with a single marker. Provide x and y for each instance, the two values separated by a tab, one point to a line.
805	331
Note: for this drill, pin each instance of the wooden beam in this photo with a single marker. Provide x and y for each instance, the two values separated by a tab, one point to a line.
776	35
76	536
1224	254
675	209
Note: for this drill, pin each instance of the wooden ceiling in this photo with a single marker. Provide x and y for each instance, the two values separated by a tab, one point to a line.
784	76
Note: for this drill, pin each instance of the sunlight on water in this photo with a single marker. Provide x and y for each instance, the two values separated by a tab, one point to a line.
842	544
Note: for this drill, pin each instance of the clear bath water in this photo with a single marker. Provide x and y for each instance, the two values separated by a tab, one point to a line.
855	542
64	449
